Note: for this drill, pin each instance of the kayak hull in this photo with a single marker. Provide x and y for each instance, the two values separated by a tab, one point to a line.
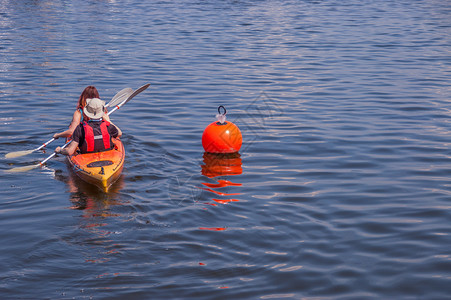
101	169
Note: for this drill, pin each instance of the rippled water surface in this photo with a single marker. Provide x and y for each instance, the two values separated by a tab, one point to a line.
341	189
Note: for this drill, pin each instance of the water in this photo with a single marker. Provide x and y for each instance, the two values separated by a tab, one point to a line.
341	189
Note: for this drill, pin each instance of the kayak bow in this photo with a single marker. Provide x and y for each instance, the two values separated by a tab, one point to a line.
102	168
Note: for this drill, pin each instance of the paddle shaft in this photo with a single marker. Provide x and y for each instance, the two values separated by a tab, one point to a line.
53	154
45	144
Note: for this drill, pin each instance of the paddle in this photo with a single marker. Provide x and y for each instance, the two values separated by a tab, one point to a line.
28	168
144	87
118	98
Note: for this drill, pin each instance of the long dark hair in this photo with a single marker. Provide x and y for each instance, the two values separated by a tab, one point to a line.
89	92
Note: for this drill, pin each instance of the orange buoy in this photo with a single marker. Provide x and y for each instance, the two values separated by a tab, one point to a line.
222	136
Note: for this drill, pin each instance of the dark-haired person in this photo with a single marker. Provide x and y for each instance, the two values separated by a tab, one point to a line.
88	93
95	133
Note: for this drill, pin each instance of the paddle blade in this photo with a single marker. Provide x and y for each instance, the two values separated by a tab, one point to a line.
129	98
23	169
18	153
120	97
144	87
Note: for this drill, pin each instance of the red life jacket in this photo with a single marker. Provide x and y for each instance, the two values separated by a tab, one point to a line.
90	138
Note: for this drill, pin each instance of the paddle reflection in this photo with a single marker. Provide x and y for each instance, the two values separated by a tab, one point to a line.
221	165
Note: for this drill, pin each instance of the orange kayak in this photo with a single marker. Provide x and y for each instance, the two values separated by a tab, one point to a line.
101	169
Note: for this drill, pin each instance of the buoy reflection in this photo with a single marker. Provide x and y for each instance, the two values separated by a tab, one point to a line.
221	183
221	165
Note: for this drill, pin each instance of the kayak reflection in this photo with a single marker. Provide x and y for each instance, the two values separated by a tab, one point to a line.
96	211
87	196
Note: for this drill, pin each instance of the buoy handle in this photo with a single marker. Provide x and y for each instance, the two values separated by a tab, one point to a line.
219	110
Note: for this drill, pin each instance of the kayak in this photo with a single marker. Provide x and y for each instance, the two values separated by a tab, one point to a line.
102	168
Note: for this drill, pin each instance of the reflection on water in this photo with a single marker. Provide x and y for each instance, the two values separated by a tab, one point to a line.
96	207
221	165
81	191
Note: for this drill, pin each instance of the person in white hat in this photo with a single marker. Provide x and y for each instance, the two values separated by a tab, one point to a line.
88	92
96	131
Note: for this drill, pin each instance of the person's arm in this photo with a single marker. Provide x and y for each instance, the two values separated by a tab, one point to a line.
119	134
107	118
69	150
76	119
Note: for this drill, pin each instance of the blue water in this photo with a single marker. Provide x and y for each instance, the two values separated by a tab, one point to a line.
341	189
